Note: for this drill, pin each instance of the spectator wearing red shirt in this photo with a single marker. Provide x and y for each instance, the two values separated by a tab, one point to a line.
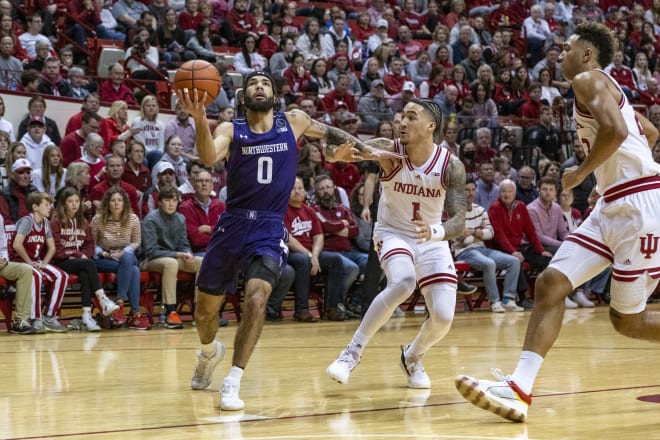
414	21
340	93
483	151
297	76
135	172
339	227
81	11
308	258
511	223
190	17
112	177
548	15
623	75
504	16
242	22
114	89
363	29
72	144
407	47
91	103
344	174
12	198
395	79
530	110
201	212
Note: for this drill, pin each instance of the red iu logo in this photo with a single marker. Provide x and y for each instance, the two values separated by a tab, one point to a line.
649	245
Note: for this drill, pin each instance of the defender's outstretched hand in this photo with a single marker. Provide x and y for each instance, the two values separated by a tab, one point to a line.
346	152
376	154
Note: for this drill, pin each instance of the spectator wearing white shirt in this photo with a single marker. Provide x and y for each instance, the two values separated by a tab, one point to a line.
33	35
537	31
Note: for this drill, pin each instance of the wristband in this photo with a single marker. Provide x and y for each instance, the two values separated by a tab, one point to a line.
437	232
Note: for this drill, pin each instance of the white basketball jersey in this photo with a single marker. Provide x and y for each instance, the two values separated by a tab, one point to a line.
409	189
632	160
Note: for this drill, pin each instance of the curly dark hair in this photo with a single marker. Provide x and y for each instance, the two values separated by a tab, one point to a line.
599	36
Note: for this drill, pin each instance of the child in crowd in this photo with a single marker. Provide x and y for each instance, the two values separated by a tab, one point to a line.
34	245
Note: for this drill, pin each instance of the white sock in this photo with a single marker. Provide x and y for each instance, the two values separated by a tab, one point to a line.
100	294
527	370
236	373
87	311
209	350
400	284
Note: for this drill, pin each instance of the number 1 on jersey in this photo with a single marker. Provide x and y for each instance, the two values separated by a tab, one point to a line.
415	211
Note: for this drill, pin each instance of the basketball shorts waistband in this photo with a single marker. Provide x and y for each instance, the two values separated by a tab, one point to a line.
631	187
254	215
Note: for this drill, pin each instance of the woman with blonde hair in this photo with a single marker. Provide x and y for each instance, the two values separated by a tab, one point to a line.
50	178
440	38
117	122
641	70
116	231
16	151
74	249
149	130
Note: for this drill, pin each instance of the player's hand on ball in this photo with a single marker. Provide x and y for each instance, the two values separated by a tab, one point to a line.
192	102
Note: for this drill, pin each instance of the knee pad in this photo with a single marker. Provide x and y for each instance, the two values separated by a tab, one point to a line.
264	267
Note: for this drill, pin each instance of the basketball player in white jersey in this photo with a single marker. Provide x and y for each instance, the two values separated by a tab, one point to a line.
623	230
411	239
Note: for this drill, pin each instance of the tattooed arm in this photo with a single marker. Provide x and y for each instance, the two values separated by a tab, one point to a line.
455	204
387	164
338	140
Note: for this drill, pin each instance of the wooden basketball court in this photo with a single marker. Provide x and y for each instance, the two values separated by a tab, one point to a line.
124	384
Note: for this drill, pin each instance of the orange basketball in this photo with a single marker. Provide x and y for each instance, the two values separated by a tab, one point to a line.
200	75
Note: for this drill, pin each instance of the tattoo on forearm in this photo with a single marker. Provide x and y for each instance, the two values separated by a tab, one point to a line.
455	203
381	144
335	136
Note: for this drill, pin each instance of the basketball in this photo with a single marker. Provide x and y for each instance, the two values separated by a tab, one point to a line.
200	75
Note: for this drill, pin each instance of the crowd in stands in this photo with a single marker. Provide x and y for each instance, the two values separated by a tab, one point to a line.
132	195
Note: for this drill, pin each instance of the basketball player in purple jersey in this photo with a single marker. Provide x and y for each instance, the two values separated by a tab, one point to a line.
623	230
250	237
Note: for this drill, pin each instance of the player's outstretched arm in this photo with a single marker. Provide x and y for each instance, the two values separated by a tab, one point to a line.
342	146
455	204
211	148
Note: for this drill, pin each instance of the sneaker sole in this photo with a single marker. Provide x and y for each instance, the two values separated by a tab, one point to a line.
56	330
140	328
335	378
226	407
469	389
174	326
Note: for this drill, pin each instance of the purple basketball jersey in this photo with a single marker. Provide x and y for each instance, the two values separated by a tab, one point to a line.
262	167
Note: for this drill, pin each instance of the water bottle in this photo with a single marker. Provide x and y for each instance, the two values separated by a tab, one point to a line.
162	318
